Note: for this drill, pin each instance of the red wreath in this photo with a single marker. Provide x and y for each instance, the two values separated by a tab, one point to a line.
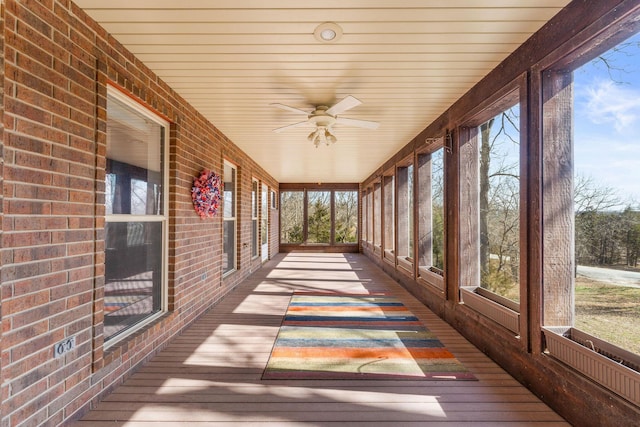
206	193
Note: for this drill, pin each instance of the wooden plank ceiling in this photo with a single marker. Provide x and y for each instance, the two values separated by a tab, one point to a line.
406	60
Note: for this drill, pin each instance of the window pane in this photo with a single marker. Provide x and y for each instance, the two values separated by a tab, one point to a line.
291	216
254	199
264	218
228	260
319	217
133	274
254	238
607	195
134	162
410	213
437	209
229	207
405	212
229	191
365	216
377	214
346	203
370	215
254	219
389	225
499	194
430	198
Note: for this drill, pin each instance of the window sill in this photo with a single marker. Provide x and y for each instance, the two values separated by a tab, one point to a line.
600	364
495	307
130	333
228	273
389	256
405	265
427	276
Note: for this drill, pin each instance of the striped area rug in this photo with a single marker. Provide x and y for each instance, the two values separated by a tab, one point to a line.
364	336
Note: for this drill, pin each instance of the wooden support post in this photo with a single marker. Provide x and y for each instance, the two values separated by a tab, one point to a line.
558	214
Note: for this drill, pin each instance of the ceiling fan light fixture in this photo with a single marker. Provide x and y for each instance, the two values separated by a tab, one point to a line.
317	140
330	138
328	32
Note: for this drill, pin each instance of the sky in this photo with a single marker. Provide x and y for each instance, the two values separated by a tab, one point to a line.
607	121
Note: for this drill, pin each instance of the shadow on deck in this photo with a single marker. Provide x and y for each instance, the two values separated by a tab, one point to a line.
211	374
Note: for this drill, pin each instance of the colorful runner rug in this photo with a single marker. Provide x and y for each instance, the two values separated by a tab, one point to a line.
347	336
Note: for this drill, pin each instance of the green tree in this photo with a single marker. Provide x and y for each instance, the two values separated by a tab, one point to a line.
346	221
319	217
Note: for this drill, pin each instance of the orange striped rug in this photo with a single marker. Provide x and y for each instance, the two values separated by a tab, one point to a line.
357	336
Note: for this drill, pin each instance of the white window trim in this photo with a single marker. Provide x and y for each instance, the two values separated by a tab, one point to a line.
164	218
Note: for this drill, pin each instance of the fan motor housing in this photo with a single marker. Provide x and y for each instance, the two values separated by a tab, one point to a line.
320	117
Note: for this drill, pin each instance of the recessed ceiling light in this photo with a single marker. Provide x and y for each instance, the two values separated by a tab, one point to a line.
328	32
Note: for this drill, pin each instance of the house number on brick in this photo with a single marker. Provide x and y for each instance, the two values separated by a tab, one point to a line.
64	346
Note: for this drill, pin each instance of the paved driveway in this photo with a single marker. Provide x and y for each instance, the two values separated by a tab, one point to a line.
608	275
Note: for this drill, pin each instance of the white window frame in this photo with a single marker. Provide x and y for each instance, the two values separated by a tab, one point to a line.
255	218
233	218
264	222
128	101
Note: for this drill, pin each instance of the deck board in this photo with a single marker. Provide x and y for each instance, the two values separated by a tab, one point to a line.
211	374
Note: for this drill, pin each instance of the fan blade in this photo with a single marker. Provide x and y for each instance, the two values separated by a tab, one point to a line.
358	123
292	109
295	125
347	103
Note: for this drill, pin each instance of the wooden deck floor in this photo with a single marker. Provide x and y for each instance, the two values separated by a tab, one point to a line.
211	374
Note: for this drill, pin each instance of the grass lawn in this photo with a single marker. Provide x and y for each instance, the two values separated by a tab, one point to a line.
609	312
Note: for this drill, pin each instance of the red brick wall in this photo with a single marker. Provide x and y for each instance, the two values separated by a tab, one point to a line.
57	65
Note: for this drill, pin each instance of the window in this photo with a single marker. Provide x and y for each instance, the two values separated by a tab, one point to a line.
430	199
591	188
490	200
291	217
377	216
254	218
346	216
229	219
365	216
136	218
264	223
369	218
370	215
319	217
405	216
389	225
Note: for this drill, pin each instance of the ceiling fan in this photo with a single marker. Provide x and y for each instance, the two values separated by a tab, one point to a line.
323	118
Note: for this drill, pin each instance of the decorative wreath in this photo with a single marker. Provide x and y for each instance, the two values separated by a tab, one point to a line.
206	193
